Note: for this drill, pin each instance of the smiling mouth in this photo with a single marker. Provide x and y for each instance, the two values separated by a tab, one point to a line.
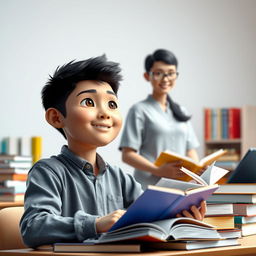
101	126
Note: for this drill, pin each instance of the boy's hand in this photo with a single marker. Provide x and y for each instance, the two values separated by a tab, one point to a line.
195	213
103	224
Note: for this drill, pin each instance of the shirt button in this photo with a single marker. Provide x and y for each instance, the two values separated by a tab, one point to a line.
87	166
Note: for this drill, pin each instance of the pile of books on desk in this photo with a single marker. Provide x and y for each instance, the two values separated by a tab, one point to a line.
239	201
13	175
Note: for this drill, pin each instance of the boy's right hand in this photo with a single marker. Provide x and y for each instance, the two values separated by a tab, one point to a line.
103	224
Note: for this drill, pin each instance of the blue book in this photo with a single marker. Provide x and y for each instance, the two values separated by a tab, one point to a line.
158	203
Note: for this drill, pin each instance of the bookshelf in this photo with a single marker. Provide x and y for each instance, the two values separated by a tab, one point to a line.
238	144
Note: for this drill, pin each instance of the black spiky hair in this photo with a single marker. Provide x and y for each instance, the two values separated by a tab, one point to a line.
59	86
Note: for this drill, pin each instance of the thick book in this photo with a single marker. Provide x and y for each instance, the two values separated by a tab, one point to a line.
162	230
245	209
11	197
220	209
157	203
245	219
92	247
18	158
236	188
23	171
247	229
232	198
14	164
221	222
193	245
188	163
14	177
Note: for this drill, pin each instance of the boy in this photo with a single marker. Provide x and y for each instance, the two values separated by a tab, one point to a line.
77	195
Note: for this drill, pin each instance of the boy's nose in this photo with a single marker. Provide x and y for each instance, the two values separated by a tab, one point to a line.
104	115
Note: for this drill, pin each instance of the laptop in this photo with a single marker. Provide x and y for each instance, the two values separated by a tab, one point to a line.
245	172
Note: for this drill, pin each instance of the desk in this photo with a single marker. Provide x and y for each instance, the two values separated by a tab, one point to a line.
247	248
10	204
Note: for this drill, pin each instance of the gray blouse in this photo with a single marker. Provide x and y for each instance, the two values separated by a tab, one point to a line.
64	198
149	130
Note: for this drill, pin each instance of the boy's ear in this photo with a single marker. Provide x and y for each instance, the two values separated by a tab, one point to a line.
146	76
54	117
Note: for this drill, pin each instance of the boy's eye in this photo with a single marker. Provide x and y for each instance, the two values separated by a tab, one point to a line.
88	102
112	104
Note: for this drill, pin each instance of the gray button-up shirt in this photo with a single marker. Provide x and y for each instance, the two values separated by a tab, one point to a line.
64	198
149	130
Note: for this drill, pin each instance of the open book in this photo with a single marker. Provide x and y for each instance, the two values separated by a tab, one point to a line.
209	177
158	203
163	230
188	163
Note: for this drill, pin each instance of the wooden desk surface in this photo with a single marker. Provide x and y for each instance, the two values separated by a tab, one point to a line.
247	248
10	204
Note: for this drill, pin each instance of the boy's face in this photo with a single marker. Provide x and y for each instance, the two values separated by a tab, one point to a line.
162	84
93	118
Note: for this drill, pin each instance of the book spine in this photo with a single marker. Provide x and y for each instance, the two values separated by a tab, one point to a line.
214	123
36	148
224	113
234	123
207	123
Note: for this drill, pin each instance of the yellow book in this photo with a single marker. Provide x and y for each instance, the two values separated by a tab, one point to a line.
188	163
36	148
221	222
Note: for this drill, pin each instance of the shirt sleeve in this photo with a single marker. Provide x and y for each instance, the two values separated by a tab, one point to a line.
132	135
42	222
192	140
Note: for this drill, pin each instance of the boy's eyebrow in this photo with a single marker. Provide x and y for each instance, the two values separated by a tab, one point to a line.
94	91
87	91
110	92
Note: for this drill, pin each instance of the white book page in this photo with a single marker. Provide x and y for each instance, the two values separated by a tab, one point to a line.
194	176
170	183
213	174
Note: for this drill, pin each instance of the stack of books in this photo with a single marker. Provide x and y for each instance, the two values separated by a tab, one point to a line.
13	175
241	200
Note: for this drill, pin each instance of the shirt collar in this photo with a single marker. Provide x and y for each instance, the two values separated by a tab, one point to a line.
82	163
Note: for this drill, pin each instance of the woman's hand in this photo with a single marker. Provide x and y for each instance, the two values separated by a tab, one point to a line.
103	224
170	170
195	213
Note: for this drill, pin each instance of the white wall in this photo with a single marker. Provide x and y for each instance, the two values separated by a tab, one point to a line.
214	41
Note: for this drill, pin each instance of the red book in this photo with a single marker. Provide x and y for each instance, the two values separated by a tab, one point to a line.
234	124
207	123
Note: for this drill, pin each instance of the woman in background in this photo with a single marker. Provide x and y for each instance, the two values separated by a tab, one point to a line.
157	124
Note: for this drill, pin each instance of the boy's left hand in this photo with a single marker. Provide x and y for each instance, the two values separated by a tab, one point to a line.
195	213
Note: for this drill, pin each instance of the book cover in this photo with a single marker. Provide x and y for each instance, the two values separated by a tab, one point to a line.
14	164
188	163
157	203
37	142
